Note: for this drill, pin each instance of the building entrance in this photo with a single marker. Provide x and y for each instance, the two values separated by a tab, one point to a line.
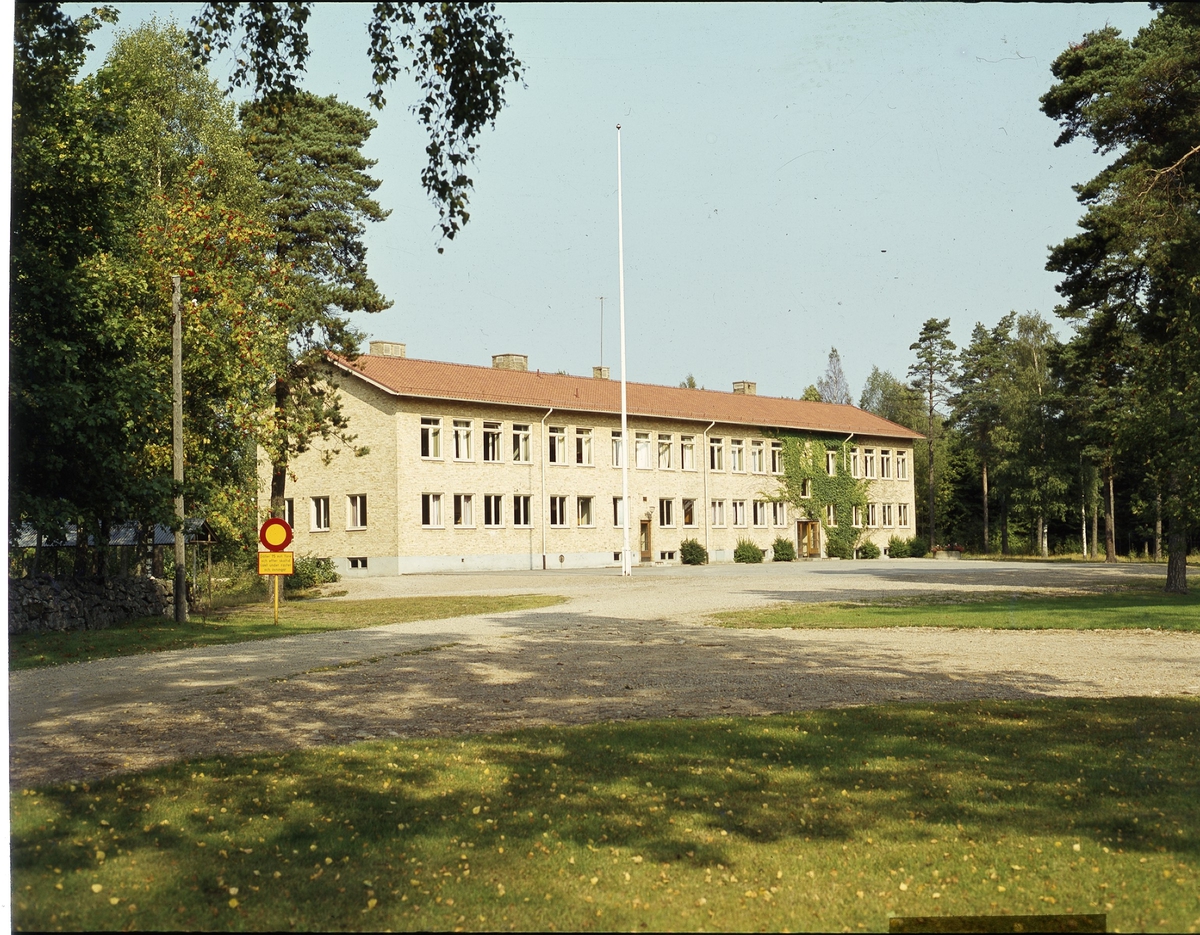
644	541
808	539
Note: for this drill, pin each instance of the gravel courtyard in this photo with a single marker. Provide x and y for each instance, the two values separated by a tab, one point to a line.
620	648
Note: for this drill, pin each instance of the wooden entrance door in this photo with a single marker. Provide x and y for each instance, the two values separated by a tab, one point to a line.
808	539
644	541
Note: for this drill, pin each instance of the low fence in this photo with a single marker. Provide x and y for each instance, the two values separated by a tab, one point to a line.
41	603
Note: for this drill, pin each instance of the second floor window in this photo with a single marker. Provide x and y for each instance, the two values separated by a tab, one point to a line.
666	512
716	454
757	460
491	441
463	431
664	452
558	445
868	462
737	455
522	454
885	463
356	511
431	438
776	457
854	466
618	450
902	466
831	463
320	513
687	452
641	441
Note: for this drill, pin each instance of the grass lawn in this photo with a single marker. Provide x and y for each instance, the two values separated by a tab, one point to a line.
1121	610
826	820
251	622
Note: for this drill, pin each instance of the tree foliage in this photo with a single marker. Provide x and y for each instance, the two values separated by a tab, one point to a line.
932	374
833	386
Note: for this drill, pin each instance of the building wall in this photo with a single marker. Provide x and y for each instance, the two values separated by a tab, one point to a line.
394	477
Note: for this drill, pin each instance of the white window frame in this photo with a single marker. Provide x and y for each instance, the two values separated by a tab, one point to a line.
289	512
431	511
318	515
687	452
683	513
558	512
758	463
716	454
431	438
618	449
855	463
717	508
618	512
356	511
776	457
901	465
522	438
902	515
493	506
557	445
737	510
583	447
830	516
666	512
830	462
522	504
737	455
641	451
464	438
869	463
493	436
872	515
806	488
585	512
885	464
856	517
665	457
888	515
779	513
464	511
759	513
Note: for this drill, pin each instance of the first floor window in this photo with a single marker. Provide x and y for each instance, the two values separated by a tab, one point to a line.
558	511
885	463
521	450
776	457
618	449
618	512
687	452
356	511
431	438
584	511
357	562
664	452
716	454
666	512
641	448
737	455
901	465
739	512
887	515
868	462
854	468
521	516
689	512
431	509
757	463
463	436
830	515
806	487
831	463
289	512
583	446
779	513
718	512
760	513
464	509
491	441
902	514
558	444
855	516
320	513
872	514
493	509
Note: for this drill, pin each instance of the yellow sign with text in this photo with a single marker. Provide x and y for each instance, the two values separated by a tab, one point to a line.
276	563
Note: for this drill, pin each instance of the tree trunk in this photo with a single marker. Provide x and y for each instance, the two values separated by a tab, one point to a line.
1177	558
1083	524
1158	527
1110	522
1095	530
1041	536
987	546
80	569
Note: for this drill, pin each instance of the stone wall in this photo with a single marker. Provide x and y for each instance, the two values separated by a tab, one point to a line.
44	603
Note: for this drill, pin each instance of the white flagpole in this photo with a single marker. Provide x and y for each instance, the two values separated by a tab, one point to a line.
626	554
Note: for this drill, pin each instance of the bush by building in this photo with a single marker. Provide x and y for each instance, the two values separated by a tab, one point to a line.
898	548
868	550
917	547
747	552
782	550
692	552
310	572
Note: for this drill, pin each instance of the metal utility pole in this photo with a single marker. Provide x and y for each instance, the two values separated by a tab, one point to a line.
626	557
181	607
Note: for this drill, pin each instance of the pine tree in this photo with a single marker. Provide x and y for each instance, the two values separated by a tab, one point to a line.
932	376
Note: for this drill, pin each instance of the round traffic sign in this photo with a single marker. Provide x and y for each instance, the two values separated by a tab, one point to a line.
275	535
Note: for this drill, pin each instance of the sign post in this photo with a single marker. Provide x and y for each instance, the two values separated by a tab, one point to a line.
276	535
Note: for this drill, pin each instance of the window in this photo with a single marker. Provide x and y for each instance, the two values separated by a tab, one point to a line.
558	444
739	512
491	441
902	467
356	511
885	463
618	450
320	514
463	430
289	512
779	513
760	513
868	462
902	514
493	509
806	487
521	450
641	449
583	446
854	465
666	512
855	516
558	511
431	509
757	461
687	452
776	457
618	514
718	512
664	452
737	455
831	463
888	515
583	510
872	514
464	509
521	511
357	562
716	454
431	438
666	556
830	515
689	512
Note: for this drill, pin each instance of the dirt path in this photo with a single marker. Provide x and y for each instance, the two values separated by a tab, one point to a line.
568	664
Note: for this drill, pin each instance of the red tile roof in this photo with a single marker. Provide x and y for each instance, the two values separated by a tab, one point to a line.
431	379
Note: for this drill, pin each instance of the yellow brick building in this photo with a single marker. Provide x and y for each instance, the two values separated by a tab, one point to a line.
477	468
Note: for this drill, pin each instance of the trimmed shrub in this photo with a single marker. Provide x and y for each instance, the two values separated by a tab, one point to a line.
897	547
747	552
783	550
692	552
917	547
838	548
310	572
868	550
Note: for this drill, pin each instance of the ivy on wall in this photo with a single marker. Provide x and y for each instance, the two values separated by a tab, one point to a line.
811	489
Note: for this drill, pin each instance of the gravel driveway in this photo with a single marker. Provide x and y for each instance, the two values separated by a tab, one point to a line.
619	649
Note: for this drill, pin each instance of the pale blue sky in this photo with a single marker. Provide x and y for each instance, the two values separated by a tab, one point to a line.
796	177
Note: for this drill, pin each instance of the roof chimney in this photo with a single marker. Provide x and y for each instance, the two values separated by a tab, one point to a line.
745	388
599	373
510	361
388	349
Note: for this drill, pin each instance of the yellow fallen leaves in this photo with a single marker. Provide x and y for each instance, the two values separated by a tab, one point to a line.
233	904
97	887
